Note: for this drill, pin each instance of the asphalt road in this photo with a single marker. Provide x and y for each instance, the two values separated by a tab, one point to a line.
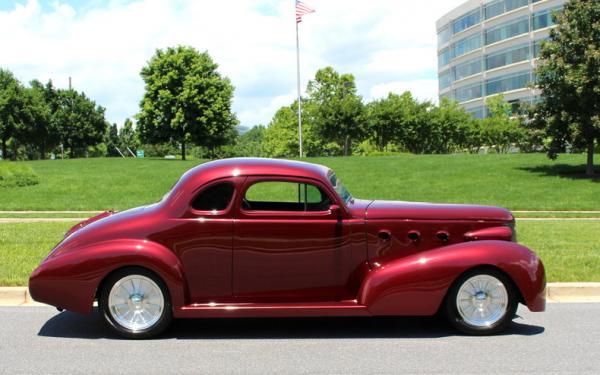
565	339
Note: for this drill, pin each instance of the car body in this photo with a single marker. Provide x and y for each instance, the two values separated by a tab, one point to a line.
217	245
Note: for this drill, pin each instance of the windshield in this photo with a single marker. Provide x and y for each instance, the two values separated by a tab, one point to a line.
339	188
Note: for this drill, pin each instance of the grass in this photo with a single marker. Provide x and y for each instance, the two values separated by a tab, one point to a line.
23	246
13	175
518	182
569	250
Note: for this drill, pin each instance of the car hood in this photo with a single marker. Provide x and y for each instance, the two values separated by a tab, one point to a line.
432	211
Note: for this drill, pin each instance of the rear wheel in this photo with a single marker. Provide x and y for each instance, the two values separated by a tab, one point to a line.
135	303
481	302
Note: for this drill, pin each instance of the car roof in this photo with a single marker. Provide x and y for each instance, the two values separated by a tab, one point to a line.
255	167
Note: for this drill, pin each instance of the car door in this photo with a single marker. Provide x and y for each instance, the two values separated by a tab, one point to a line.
288	245
202	239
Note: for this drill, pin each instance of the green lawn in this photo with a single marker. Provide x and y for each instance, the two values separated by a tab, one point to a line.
520	182
570	250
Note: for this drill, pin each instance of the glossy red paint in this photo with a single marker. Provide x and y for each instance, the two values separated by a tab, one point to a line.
362	258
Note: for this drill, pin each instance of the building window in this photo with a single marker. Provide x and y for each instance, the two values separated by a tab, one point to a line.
477	112
444	57
466	21
542	19
444	35
499	7
507	83
467	69
507	57
507	30
466	45
445	79
465	93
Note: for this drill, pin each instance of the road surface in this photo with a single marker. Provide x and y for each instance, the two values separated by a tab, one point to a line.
565	339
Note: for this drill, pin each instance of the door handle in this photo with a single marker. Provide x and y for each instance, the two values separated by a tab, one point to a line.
384	234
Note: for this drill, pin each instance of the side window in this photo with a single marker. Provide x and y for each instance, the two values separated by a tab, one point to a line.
214	198
285	196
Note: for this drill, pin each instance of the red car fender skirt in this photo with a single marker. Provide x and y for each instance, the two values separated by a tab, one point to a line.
417	284
70	281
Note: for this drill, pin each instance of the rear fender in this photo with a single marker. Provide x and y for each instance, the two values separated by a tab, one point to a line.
418	283
71	280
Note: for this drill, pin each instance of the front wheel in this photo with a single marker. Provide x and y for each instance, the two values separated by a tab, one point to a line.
481	302
135	303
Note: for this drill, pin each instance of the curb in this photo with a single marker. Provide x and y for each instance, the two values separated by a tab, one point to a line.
555	292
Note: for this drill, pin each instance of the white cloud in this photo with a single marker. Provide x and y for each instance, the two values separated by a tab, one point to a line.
387	45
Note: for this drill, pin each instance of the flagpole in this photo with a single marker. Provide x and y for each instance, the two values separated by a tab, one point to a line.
299	96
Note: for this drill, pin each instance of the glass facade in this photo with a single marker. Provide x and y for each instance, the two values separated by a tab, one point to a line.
507	83
477	112
470	19
507	30
499	7
506	57
467	69
444	35
465	45
444	57
445	79
543	19
470	92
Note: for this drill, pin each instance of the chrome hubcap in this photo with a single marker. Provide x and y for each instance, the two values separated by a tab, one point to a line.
482	300
136	302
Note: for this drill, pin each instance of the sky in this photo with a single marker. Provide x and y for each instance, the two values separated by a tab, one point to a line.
389	46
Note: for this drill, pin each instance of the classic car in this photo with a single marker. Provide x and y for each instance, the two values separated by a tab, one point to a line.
251	237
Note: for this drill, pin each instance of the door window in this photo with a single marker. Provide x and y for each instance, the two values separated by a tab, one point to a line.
214	198
285	196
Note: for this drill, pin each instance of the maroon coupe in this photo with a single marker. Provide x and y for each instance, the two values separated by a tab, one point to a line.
277	238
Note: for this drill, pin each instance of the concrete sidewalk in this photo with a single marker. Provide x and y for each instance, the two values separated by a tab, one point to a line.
556	292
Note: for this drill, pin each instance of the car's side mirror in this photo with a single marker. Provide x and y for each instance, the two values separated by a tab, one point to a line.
335	210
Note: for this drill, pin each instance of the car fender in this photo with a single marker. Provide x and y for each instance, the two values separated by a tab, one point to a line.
71	280
417	284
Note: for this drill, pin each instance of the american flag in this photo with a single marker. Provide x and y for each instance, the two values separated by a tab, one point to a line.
302	9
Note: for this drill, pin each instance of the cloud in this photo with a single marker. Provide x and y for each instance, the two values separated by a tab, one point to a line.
387	45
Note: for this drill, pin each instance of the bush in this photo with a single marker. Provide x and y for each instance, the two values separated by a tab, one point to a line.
13	174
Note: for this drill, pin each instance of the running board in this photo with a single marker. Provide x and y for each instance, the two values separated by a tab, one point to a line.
271	310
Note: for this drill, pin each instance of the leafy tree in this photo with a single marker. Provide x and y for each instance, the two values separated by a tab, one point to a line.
80	122
128	136
12	103
38	126
452	127
251	142
338	109
112	140
500	128
185	99
385	120
568	77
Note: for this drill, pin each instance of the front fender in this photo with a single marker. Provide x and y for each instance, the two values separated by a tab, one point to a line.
71	279
418	283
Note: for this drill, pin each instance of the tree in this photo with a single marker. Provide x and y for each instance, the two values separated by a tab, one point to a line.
112	141
11	108
338	115
452	127
384	120
185	99
79	121
251	142
416	132
569	80
128	135
38	127
500	128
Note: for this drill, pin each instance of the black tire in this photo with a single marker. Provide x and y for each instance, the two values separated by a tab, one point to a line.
454	316
158	327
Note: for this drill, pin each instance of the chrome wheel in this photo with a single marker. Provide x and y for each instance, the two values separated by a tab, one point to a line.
482	300
136	302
